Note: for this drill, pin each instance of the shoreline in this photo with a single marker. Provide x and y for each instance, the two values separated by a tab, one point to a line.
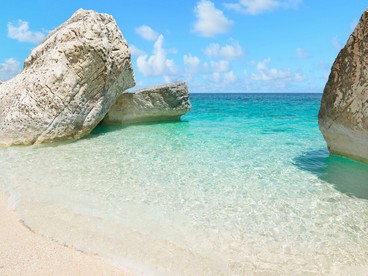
24	252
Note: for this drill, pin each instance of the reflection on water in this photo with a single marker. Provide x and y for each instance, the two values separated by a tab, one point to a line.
347	176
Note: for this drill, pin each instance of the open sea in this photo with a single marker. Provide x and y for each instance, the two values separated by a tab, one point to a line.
242	185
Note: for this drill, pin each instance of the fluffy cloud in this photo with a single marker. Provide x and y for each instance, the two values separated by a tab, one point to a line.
227	52
230	77
219	72
272	74
157	64
301	53
220	66
147	33
134	51
22	33
255	7
9	69
192	63
210	21
222	78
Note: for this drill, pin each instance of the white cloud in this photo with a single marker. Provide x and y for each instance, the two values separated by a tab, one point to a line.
134	51
192	63
255	7
220	66
272	74
219	72
157	64
227	52
9	69
210	20
147	33
301	53
223	78
22	33
337	44
230	77
216	77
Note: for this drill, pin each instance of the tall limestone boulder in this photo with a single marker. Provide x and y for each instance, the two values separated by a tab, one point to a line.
343	116
68	84
159	103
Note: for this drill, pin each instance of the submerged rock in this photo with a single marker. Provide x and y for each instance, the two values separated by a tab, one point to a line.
159	103
68	84
343	116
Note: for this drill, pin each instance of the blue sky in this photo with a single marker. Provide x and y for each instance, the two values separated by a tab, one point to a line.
213	45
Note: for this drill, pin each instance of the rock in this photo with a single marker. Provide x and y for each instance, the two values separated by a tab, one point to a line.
343	116
159	103
68	84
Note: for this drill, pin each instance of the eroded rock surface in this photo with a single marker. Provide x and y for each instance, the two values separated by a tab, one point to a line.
159	103
343	116
68	84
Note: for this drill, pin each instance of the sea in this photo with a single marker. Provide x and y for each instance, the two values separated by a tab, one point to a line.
241	185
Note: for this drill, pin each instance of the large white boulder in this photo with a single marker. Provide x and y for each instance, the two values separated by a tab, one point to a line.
343	116
68	84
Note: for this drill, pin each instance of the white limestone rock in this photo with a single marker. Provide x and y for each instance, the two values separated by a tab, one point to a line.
343	116
68	84
159	103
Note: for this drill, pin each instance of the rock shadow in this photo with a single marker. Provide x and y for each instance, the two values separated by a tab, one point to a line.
102	129
347	176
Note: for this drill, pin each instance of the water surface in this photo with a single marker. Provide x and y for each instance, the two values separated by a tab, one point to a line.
243	184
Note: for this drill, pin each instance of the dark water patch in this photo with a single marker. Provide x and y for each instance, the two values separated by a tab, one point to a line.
276	130
102	129
346	176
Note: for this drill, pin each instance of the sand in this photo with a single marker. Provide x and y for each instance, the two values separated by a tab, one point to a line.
23	252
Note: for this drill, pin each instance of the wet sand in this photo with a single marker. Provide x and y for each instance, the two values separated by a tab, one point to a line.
23	252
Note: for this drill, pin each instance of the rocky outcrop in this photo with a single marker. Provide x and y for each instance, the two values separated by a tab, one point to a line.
166	102
343	116
68	84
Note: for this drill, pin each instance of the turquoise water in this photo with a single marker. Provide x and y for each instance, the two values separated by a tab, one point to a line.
242	185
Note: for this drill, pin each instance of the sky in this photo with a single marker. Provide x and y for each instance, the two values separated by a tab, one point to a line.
213	45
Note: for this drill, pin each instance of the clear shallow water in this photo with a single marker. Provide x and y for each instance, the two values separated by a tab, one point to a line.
244	184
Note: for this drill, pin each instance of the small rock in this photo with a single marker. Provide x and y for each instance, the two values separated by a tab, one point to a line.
159	103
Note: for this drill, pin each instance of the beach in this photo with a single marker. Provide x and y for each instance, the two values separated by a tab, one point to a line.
23	252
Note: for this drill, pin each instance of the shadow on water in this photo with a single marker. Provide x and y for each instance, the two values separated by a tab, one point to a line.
103	129
345	175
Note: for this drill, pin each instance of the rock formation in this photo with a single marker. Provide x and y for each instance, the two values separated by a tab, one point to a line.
166	102
68	84
343	116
